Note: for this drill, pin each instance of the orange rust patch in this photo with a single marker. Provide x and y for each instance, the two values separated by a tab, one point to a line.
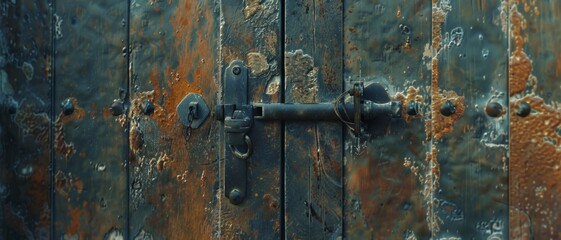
192	28
74	226
61	147
535	144
34	124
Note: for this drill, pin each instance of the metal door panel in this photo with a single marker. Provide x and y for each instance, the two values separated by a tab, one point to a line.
313	150
25	117
90	70
249	32
173	170
450	180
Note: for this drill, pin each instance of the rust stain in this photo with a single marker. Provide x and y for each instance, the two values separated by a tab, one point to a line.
380	196
411	96
193	26
74	226
34	124
428	172
535	143
65	184
61	146
520	65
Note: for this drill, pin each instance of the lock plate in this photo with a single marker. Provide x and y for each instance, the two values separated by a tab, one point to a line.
192	110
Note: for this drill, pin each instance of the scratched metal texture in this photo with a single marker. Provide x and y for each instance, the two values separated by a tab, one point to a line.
249	31
25	113
451	179
90	145
313	150
173	171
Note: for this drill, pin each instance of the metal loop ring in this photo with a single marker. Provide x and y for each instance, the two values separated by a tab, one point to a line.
245	155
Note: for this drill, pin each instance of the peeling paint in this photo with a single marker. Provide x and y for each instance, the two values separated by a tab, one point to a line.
273	86
301	76
257	63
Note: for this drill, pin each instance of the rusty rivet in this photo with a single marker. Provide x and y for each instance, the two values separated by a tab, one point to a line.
117	107
412	109
494	109
236	70
148	107
67	107
448	108
235	196
523	109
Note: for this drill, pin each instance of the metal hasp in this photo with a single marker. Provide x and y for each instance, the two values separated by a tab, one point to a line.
192	111
238	115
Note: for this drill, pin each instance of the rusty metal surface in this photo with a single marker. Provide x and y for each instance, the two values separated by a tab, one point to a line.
173	169
249	31
450	180
384	43
313	150
142	174
25	109
90	145
534	70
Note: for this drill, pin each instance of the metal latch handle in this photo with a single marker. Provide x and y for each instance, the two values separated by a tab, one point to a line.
238	115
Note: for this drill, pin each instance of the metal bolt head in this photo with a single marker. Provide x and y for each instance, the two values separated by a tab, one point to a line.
148	107
236	70
412	108
448	108
235	196
523	109
117	107
11	105
494	109
67	107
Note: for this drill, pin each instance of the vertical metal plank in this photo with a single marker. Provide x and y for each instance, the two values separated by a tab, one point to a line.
313	150
90	144
535	137
173	169
386	42
469	148
452	182
25	108
250	32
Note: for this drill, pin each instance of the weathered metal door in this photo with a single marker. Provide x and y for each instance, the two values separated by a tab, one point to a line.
204	119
